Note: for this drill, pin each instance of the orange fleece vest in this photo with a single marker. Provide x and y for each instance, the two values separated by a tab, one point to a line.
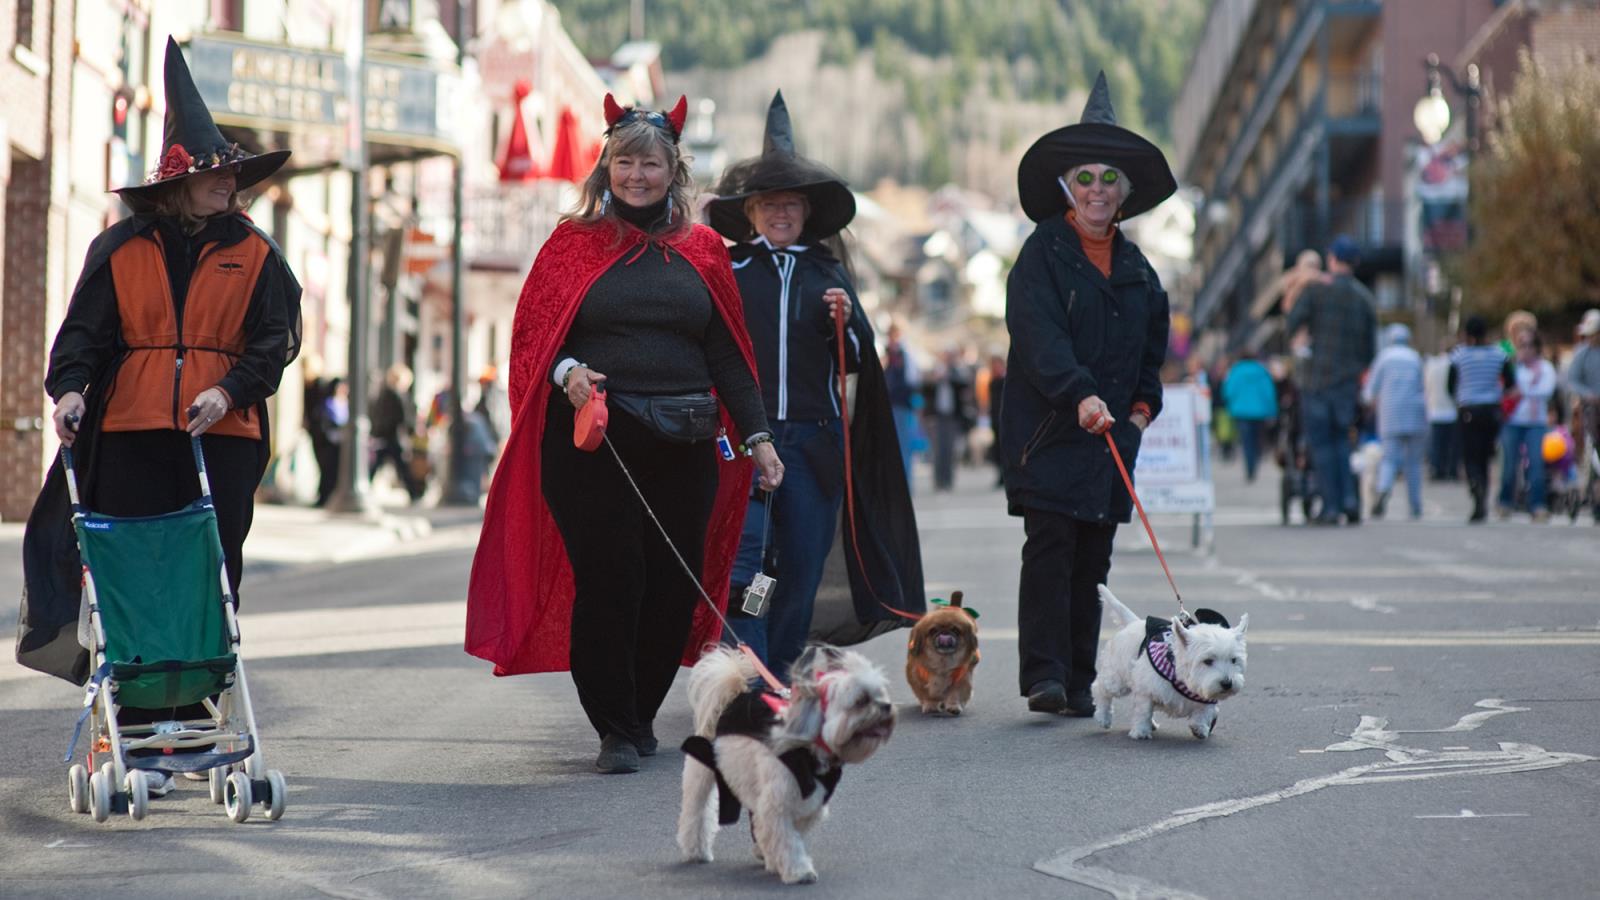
170	363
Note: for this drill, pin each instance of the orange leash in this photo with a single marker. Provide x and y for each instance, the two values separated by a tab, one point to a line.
1128	482
849	470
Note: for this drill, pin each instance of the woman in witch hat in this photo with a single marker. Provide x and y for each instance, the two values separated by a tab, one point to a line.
784	211
1088	323
181	323
571	570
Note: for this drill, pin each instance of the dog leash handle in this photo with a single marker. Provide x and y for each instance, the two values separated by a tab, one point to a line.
1128	483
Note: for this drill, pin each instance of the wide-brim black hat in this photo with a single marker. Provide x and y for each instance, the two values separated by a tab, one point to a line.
191	141
1097	138
779	168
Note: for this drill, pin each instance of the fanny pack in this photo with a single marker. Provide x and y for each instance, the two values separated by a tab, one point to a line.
680	418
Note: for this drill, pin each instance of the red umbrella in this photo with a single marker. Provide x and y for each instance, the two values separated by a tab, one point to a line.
518	163
573	157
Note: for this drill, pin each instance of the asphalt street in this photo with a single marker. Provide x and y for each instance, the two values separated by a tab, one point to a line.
1421	718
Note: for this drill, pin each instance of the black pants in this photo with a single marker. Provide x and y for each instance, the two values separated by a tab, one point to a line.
147	473
1058	618
393	450
327	453
1480	426
635	604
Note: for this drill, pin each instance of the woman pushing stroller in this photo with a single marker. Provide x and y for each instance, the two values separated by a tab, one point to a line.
180	326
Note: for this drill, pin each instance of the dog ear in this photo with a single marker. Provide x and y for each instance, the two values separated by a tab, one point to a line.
918	636
1244	623
1180	633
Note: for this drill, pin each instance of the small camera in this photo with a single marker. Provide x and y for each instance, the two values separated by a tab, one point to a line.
756	595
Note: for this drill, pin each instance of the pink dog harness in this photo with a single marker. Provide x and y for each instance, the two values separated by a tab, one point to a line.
1158	647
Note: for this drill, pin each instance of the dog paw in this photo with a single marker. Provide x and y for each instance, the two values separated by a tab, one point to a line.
930	708
1200	730
697	856
1142	732
952	709
1102	717
807	875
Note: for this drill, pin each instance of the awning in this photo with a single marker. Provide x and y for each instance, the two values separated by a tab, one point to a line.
519	163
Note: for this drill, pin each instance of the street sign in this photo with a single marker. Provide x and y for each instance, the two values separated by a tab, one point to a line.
1173	471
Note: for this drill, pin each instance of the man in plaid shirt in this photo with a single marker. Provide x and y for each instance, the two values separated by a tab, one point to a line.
1341	317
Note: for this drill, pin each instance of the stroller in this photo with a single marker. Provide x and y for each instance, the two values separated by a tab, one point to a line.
1298	481
159	624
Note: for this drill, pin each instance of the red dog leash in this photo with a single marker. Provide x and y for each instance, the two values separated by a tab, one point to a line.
1128	482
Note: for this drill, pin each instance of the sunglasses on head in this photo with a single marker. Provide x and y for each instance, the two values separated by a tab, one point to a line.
657	119
1108	177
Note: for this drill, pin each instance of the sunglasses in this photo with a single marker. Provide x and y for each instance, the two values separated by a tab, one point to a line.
1108	177
657	119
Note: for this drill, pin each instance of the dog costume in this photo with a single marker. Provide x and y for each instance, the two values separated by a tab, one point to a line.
1157	646
754	714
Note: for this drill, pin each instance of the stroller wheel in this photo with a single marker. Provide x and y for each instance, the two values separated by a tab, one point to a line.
277	795
138	795
100	795
236	797
78	788
217	777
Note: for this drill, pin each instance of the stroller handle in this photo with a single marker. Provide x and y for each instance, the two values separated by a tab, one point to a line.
68	465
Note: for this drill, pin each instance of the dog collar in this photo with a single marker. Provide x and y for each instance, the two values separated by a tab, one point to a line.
1159	649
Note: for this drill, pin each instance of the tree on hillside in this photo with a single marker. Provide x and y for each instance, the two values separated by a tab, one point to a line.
1535	203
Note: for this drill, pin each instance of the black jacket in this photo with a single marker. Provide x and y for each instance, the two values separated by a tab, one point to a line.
793	335
1076	334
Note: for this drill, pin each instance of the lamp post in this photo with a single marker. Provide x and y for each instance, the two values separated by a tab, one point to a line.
1431	116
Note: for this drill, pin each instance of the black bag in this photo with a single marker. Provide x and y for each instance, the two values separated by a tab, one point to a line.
680	418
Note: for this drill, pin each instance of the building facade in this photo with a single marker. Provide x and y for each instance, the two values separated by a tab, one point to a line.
1293	126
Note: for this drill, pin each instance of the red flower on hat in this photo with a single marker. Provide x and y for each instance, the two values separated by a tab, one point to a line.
176	162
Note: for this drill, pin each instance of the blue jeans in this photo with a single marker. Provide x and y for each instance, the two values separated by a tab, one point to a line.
1250	443
805	515
905	426
1403	451
1513	440
1329	415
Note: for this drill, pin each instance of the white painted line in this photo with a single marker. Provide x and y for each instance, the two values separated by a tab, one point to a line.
1313	638
1402	764
64	844
1469	814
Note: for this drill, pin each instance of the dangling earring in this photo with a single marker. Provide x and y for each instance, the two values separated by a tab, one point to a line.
605	201
669	207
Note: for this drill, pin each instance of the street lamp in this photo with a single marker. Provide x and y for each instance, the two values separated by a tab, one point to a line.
1432	113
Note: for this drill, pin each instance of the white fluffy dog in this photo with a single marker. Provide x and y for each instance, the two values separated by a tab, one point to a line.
781	759
1185	669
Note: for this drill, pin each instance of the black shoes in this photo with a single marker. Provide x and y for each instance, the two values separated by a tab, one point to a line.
1048	697
1380	505
647	742
1052	697
618	756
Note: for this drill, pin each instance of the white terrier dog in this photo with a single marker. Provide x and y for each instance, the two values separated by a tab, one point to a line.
1185	669
781	759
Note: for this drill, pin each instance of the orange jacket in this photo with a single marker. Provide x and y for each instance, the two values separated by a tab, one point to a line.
170	362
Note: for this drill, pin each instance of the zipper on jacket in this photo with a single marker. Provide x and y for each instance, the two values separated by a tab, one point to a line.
785	265
177	372
177	381
1038	436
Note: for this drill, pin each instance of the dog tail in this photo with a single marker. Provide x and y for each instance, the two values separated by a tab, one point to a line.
1120	615
722	674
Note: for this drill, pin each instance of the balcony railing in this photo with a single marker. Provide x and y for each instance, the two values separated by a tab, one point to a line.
506	224
1351	96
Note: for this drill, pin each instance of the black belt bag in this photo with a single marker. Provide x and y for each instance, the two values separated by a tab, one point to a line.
680	418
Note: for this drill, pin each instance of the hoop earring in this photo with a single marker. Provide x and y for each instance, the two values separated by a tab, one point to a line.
605	201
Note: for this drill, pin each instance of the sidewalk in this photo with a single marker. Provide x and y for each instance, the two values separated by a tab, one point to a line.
284	537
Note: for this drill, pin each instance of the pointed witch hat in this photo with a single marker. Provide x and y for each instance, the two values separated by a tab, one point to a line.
780	168
1097	138
190	141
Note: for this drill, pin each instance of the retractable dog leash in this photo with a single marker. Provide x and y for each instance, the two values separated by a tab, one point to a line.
1128	482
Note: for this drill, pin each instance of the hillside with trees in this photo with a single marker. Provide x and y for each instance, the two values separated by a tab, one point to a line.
952	90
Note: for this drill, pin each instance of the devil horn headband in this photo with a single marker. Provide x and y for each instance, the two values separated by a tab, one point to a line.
672	121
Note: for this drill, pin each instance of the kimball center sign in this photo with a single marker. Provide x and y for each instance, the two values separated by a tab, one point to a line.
293	88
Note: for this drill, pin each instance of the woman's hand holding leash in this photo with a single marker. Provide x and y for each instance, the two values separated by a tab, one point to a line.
207	410
768	464
1093	415
70	408
837	300
580	383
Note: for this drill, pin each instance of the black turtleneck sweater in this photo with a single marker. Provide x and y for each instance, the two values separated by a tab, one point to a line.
649	325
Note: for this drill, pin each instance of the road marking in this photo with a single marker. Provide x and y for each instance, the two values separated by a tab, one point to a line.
1308	637
1469	814
1372	733
314	632
1370	604
64	844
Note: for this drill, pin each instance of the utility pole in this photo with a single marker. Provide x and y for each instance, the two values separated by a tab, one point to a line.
636	20
351	495
460	488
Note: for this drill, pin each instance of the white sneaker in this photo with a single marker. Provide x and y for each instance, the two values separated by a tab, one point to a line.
196	776
159	784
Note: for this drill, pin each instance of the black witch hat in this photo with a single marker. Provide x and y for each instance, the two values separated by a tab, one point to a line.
779	168
190	141
1097	138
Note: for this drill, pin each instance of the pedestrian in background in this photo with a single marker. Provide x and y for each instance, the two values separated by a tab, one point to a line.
1480	376
901	376
1252	402
1395	390
949	403
1444	433
1088	321
571	573
183	319
1583	380
393	418
997	389
1522	438
786	213
1340	317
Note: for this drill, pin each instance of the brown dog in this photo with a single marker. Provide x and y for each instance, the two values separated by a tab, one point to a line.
940	658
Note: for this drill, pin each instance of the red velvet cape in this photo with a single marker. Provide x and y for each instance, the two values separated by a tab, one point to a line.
519	600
